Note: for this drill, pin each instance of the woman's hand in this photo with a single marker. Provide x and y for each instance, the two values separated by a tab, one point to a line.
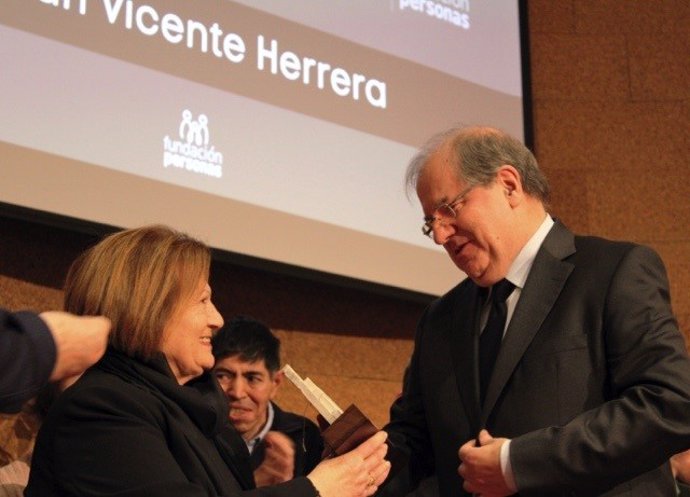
357	473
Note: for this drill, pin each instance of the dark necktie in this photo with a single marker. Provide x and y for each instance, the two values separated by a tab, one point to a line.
491	337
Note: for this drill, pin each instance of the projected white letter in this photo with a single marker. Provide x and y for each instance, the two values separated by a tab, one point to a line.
112	11
141	12
234	48
66	4
261	53
172	28
380	87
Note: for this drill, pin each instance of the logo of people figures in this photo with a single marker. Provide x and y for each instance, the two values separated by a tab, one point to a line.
194	132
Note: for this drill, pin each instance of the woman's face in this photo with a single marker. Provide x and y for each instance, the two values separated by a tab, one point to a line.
187	335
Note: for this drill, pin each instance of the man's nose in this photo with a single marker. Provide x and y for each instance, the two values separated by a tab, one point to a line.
442	231
237	389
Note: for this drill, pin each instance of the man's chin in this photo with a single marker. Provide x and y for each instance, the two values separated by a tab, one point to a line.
241	428
468	268
476	274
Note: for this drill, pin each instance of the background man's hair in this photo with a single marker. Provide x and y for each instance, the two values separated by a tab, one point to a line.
250	340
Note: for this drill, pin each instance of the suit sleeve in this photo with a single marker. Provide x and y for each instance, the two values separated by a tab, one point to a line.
410	449
27	358
646	416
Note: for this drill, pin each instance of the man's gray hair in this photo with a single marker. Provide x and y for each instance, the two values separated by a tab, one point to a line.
476	153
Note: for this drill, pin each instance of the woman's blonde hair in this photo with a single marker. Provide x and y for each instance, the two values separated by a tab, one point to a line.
137	278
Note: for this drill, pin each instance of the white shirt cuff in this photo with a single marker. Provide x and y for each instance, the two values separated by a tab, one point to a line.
506	468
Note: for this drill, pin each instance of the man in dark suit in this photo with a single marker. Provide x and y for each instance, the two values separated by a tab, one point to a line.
589	393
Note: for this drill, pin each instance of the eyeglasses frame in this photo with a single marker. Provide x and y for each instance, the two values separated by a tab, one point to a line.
428	226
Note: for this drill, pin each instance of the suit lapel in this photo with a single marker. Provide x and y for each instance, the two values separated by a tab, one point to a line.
544	283
464	343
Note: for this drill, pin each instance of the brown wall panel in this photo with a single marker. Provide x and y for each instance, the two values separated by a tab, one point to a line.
573	67
631	17
599	134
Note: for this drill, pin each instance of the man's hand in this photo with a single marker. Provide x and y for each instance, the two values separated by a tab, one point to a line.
481	466
680	464
79	340
278	465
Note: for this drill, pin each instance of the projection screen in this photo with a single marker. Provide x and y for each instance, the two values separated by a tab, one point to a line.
276	130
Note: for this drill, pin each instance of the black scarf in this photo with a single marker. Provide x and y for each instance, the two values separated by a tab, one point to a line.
201	399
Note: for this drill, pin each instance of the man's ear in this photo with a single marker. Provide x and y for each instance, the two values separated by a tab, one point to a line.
278	377
509	179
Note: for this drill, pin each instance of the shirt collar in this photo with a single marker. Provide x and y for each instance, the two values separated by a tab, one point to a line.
519	269
251	444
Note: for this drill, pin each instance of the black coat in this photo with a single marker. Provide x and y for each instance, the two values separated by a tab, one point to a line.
128	429
305	435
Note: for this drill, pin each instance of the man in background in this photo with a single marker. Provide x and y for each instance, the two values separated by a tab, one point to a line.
281	444
557	367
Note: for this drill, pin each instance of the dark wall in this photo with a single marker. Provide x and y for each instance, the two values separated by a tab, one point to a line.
41	252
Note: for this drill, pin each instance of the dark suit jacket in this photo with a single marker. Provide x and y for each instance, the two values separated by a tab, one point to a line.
592	382
27	358
127	428
305	435
683	490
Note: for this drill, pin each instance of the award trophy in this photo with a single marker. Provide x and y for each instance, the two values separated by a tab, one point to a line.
344	430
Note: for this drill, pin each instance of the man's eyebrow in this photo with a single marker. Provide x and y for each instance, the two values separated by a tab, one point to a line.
444	200
243	373
253	371
254	375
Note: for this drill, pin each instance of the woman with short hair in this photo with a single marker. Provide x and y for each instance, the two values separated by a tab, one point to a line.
149	420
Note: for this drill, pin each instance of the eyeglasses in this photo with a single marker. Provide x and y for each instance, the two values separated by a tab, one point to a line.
443	212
